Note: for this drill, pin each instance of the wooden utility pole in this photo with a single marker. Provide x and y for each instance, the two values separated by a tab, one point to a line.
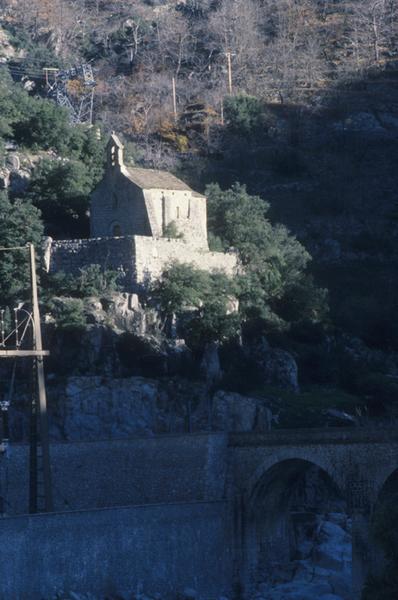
41	390
38	423
229	66
174	100
91	109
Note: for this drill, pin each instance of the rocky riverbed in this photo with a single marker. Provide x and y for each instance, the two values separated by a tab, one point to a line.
321	570
323	564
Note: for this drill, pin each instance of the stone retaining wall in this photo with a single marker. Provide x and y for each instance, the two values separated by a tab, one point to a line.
153	255
161	549
141	258
110	253
99	474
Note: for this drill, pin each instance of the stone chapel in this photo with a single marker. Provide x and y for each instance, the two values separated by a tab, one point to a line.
141	220
135	201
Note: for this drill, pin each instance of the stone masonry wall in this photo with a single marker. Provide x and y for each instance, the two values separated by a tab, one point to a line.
141	470
183	208
117	201
141	258
153	255
110	253
161	549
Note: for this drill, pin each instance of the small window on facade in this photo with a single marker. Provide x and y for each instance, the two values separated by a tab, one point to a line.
115	202
178	212
117	231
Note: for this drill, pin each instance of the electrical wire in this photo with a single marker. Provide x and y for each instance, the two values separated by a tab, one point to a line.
39	74
3	249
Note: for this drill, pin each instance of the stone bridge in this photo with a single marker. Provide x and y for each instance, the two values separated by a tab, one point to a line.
224	509
358	466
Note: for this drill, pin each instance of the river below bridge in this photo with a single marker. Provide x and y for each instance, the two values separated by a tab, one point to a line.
322	567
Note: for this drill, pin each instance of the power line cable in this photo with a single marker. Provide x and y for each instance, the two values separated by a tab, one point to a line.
3	249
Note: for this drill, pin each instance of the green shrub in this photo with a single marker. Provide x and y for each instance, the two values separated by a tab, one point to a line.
20	223
68	314
39	56
60	189
43	125
274	286
171	231
244	114
93	280
200	300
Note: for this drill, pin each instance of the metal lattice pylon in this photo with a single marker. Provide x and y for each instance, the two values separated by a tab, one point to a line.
80	107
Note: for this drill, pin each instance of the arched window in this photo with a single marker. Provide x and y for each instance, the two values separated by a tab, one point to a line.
116	230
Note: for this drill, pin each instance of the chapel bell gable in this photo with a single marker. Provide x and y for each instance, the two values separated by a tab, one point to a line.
115	152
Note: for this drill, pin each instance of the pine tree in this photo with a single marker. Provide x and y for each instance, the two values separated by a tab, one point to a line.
20	223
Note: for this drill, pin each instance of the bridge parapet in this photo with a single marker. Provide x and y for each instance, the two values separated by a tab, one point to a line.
327	435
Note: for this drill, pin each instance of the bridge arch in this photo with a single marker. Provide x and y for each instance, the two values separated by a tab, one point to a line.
285	505
303	457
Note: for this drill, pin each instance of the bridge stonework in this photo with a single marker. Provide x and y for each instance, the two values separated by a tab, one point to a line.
357	462
235	490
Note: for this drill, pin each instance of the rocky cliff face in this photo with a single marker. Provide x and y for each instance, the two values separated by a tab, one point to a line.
98	407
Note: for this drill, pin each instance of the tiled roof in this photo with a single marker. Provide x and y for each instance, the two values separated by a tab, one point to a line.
150	179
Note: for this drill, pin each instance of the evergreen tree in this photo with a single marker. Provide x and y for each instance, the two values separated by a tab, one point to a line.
60	189
200	301
274	284
20	224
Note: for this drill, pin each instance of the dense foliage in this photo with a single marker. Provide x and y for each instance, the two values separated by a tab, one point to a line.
65	296
201	302
274	286
63	179
244	114
20	224
92	280
61	190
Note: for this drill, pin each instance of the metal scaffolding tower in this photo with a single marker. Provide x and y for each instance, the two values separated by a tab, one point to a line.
80	103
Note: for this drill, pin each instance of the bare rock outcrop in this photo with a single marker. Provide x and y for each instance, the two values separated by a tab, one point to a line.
235	413
277	366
